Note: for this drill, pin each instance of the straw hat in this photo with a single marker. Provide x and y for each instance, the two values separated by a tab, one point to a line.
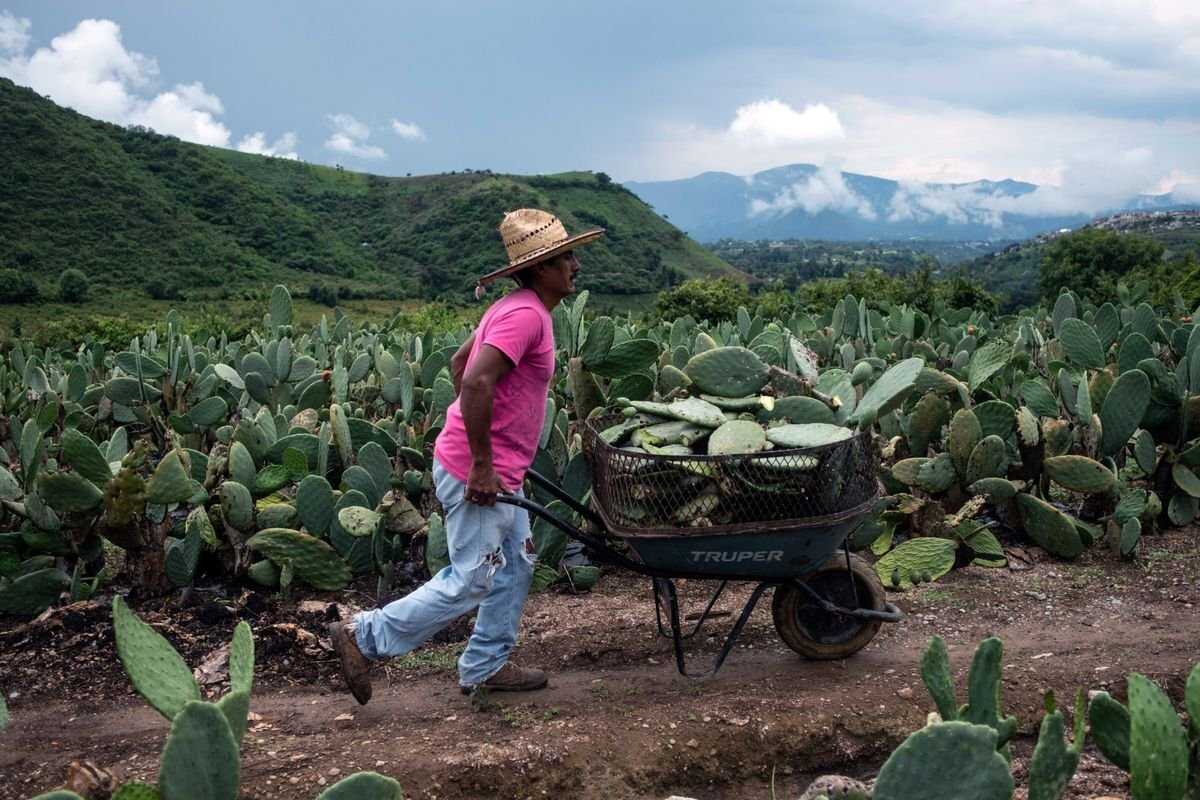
531	236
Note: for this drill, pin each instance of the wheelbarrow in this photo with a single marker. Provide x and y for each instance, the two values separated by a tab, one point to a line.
779	519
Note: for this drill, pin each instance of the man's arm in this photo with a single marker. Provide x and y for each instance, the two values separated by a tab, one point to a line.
475	401
458	363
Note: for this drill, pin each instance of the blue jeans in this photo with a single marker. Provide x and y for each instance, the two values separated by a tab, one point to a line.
490	567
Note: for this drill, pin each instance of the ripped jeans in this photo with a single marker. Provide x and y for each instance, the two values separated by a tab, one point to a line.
490	567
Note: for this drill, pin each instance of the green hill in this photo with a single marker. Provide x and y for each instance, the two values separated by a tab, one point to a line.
144	214
1014	271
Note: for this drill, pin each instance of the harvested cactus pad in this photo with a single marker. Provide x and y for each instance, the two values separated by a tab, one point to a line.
738	475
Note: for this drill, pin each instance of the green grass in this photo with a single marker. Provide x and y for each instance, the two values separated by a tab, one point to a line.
439	658
526	715
1152	558
939	596
1086	575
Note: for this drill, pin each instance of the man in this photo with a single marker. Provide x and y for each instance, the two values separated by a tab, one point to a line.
501	375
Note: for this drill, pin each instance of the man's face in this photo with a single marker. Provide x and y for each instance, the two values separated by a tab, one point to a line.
560	273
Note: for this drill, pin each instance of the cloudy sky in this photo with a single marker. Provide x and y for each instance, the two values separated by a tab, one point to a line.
1096	99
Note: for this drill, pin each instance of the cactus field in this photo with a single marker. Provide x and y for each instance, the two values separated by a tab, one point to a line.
1039	480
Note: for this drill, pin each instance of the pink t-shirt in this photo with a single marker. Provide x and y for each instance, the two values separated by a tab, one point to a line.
520	327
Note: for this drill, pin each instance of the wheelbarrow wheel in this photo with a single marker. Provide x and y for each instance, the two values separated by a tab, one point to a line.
815	633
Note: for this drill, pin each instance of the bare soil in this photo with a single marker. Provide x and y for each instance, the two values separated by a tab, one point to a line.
617	721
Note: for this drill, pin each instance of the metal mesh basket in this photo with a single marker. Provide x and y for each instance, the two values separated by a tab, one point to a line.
637	493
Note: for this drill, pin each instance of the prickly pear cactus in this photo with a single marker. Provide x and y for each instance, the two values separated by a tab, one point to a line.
437	552
916	561
946	759
696	411
938	679
237	505
807	435
1050	528
727	371
359	522
1158	746
314	561
1053	762
170	482
836	787
983	693
1110	728
1080	474
124	496
363	786
888	392
737	436
34	592
965	434
66	491
200	760
988	460
154	667
314	504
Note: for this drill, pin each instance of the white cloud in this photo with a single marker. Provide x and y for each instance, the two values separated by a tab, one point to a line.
824	190
1084	187
407	130
1082	163
283	147
770	123
1151	30
1188	192
350	138
958	204
186	112
14	33
89	69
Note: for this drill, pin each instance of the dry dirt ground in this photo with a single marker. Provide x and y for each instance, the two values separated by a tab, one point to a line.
617	721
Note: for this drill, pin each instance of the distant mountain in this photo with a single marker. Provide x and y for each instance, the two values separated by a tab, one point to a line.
142	213
802	201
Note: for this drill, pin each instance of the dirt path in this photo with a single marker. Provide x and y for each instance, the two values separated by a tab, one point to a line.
617	721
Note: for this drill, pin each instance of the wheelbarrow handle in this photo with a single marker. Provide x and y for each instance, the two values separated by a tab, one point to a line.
559	494
601	548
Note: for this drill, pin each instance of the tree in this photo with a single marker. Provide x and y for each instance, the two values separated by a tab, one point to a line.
1187	268
876	287
319	293
1092	260
160	289
961	291
17	287
703	298
72	286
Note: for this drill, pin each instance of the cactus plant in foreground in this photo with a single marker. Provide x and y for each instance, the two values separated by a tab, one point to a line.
201	760
962	752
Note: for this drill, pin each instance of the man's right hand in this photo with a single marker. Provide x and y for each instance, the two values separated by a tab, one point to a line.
483	484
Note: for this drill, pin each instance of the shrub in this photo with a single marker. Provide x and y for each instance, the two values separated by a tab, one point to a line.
702	298
161	290
1094	259
73	286
918	289
960	291
17	287
319	293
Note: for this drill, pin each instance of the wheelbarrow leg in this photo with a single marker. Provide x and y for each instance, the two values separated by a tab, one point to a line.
850	576
667	587
660	594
